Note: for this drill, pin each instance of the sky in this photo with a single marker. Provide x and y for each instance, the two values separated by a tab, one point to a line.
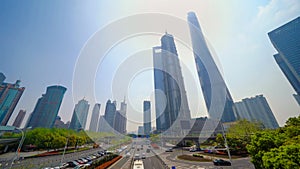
43	43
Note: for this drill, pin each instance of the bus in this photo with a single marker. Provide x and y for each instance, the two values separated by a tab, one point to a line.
138	164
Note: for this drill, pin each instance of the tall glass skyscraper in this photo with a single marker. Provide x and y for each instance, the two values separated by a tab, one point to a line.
80	114
147	117
110	113
286	41
170	97
95	117
217	97
47	107
10	95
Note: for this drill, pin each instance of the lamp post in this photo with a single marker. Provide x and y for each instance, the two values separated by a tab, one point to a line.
20	145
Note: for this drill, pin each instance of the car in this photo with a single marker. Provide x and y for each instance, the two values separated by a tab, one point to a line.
143	156
192	150
72	164
136	157
127	155
80	161
169	150
221	162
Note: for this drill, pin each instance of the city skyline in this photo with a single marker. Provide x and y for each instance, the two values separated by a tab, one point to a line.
281	101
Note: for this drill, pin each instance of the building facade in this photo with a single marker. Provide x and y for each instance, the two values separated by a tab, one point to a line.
217	97
147	117
171	104
286	41
47	107
95	118
80	114
110	113
19	119
10	95
257	109
60	124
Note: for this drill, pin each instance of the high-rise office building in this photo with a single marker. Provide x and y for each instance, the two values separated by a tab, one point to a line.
217	97
147	117
95	118
103	126
60	124
110	112
120	121
80	114
19	119
257	109
10	95
171	104
2	78
47	107
297	97
140	130
286	41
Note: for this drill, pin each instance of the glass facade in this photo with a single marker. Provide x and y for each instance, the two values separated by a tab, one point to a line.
47	107
217	97
147	117
257	109
95	117
10	95
110	113
80	114
286	41
170	97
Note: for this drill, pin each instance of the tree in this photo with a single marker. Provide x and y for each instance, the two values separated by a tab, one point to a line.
279	148
287	156
239	135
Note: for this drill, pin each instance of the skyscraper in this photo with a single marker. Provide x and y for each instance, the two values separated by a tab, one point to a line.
95	117
297	97
170	97
110	112
19	119
120	121
47	107
147	117
10	95
216	94
286	41
2	78
257	109
80	114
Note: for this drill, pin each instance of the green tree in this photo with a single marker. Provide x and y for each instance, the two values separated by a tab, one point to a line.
239	135
278	148
287	156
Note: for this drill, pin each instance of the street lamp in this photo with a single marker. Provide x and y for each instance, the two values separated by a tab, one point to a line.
20	144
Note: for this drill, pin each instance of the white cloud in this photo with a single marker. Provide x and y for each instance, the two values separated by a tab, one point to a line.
277	12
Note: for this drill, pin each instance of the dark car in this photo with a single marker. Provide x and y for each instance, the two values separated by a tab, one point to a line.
221	162
73	163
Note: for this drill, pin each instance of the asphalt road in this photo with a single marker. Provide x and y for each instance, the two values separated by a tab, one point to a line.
50	161
140	147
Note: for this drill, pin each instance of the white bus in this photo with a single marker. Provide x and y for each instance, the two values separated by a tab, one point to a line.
138	164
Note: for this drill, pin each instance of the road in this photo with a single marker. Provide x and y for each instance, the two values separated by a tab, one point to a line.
50	161
171	160
139	147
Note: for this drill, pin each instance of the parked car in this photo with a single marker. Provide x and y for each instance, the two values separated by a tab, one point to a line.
169	150
72	164
221	162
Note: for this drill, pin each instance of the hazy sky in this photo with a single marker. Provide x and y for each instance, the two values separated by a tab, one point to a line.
40	42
